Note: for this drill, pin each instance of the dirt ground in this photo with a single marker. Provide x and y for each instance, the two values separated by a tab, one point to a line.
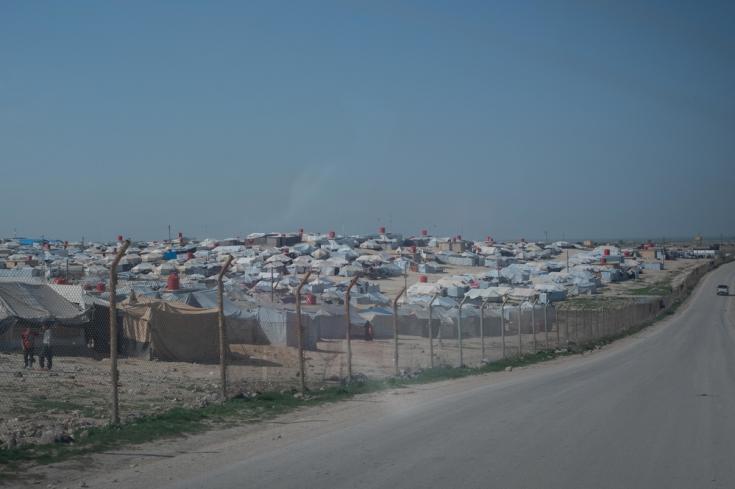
38	406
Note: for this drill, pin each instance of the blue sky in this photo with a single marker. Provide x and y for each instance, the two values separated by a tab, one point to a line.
583	119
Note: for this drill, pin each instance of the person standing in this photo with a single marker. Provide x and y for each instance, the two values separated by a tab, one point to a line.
27	339
47	353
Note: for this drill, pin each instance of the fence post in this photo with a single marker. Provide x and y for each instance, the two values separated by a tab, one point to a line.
431	333
395	330
300	333
520	334
115	408
557	323
482	330
348	335
223	346
459	332
502	325
533	323
546	323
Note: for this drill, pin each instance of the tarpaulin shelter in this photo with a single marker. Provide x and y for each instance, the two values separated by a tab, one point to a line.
171	331
25	304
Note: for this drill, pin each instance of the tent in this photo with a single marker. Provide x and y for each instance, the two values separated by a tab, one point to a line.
171	331
36	304
25	304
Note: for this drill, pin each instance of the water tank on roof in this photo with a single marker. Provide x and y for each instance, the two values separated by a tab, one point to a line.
332	234
100	287
423	279
172	283
606	252
381	229
424	232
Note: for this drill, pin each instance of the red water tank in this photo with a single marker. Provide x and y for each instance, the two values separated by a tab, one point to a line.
189	255
381	229
606	252
58	281
310	299
603	260
424	232
423	279
173	281
100	287
413	249
626	253
332	234
119	237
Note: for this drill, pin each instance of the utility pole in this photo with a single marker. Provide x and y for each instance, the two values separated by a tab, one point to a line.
169	233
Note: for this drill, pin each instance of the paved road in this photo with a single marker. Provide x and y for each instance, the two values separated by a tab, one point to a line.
659	412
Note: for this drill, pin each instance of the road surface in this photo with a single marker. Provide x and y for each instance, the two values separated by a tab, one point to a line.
656	411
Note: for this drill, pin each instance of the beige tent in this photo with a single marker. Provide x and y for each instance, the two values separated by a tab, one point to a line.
171	331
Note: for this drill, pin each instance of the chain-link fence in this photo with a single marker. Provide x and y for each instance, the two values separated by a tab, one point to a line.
169	345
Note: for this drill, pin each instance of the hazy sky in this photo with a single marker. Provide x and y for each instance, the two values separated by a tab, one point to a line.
585	119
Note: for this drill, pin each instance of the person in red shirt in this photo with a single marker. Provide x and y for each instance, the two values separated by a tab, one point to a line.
27	339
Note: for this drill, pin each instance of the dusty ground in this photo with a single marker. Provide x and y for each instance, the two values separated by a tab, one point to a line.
39	406
158	463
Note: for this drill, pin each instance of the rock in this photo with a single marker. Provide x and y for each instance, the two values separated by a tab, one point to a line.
19	374
508	368
83	484
298	395
11	442
48	437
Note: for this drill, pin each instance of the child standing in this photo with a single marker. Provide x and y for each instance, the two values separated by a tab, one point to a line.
47	353
27	339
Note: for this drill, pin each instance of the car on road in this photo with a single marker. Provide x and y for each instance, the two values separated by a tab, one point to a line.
723	290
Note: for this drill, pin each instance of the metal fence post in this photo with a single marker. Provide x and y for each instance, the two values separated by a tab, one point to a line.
520	334
459	332
431	333
115	408
502	325
482	330
348	334
223	346
546	324
533	323
300	333
395	330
